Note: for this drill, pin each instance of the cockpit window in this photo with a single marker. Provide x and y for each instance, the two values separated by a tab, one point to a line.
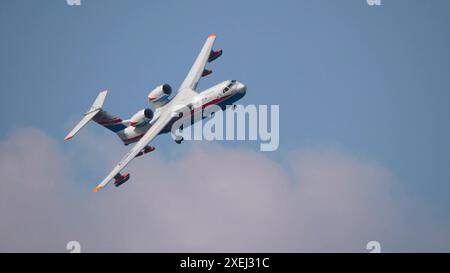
227	88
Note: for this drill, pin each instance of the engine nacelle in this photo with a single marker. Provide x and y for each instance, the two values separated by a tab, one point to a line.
160	95
141	117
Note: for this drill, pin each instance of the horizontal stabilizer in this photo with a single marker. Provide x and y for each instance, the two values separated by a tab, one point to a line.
95	109
81	124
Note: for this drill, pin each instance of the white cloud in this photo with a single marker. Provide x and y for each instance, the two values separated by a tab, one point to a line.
210	199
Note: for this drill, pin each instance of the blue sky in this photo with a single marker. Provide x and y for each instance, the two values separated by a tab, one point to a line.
371	81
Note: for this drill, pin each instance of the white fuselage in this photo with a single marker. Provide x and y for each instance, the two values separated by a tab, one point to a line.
222	94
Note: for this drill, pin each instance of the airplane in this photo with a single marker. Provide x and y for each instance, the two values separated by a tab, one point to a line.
146	124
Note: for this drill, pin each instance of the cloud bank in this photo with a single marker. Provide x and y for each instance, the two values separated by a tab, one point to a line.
208	199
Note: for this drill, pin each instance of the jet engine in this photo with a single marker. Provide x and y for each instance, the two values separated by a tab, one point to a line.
160	94
141	117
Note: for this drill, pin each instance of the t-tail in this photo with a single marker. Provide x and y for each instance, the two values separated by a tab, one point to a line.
100	116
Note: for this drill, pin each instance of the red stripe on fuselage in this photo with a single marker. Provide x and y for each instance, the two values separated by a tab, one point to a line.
107	122
214	101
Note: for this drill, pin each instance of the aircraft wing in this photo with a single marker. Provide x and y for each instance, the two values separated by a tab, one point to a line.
191	81
147	138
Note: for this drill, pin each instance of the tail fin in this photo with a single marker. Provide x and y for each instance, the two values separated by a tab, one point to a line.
97	114
95	109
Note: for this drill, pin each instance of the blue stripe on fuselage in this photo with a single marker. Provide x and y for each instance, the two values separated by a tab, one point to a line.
116	127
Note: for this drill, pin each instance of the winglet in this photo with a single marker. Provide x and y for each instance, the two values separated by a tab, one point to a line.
212	35
97	189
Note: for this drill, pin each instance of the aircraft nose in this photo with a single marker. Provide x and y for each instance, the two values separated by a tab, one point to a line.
241	88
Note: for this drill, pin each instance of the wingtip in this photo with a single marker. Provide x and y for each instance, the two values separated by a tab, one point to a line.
97	189
212	35
68	138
